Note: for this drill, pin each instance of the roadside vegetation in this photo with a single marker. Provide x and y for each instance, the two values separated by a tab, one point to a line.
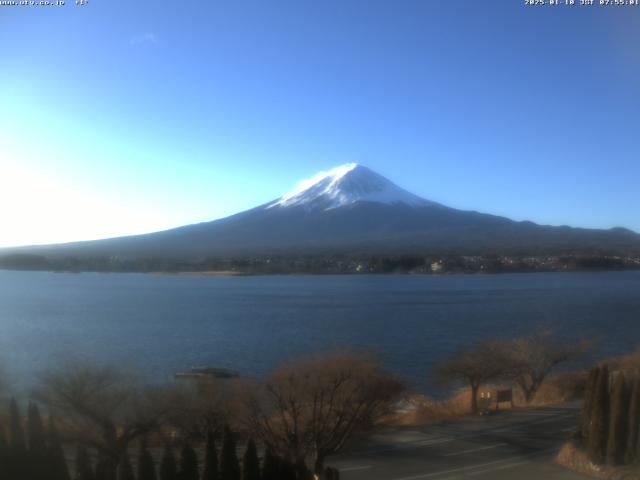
104	423
525	362
558	388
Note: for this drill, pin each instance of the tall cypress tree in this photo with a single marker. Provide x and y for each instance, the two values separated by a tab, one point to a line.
585	413
599	426
331	473
210	471
16	434
250	462
107	468
630	455
287	469
37	441
57	461
188	463
18	464
168	465
618	422
270	470
328	474
102	469
125	469
37	445
302	471
146	465
4	454
84	469
229	465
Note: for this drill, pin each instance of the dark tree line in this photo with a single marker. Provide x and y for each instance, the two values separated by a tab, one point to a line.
610	417
34	453
109	419
347	262
31	451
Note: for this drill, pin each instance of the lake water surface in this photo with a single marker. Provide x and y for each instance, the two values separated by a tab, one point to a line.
163	323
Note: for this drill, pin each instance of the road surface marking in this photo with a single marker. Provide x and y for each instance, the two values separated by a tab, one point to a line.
403	446
501	467
539	414
454	470
353	469
480	465
488	447
435	441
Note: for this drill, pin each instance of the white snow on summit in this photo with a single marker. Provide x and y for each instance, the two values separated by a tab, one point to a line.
345	185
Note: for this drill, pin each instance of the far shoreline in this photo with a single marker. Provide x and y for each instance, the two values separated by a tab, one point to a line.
231	273
205	273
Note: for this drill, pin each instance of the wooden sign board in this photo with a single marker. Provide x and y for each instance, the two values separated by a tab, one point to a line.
504	396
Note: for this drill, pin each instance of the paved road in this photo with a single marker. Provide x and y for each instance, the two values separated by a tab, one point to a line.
517	444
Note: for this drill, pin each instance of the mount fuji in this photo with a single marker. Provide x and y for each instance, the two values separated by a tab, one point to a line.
346	185
350	209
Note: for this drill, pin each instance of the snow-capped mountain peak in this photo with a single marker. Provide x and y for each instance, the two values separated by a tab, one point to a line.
345	185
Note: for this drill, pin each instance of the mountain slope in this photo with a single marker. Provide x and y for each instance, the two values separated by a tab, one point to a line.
352	209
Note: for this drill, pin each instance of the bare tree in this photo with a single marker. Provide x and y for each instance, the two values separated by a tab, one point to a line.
532	358
309	409
475	365
101	407
200	408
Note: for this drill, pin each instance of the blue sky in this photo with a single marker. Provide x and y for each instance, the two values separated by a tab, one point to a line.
123	117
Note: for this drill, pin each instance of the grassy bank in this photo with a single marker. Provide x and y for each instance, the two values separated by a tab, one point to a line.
423	410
